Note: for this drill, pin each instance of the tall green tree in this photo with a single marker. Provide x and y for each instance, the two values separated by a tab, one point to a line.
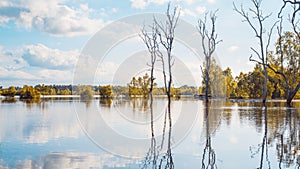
217	82
286	63
242	90
105	91
230	83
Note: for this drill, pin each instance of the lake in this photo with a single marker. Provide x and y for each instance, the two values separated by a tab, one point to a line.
137	133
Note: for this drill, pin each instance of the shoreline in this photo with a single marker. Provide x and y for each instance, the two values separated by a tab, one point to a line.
158	96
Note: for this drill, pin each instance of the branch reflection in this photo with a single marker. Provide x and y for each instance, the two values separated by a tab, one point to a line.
281	127
288	141
209	154
160	155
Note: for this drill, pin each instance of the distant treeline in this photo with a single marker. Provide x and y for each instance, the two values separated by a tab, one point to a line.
222	84
30	92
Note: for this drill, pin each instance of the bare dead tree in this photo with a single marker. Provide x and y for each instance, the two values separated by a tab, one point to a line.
256	20
166	33
290	92
295	4
209	39
151	41
294	20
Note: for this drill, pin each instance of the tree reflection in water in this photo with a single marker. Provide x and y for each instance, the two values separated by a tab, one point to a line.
282	129
209	154
288	140
264	145
157	156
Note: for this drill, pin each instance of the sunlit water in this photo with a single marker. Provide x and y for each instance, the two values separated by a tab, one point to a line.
114	134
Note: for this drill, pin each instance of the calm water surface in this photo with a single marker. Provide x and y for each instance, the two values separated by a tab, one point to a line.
123	133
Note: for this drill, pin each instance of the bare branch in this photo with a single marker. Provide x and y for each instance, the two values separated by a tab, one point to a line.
209	39
255	51
166	34
245	15
295	4
259	18
269	39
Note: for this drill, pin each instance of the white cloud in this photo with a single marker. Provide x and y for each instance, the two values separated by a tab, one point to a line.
201	9
37	64
187	12
42	56
139	4
105	12
233	48
114	10
15	74
190	1
51	17
55	75
159	2
211	1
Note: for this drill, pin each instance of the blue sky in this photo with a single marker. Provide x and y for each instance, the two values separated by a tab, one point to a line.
41	40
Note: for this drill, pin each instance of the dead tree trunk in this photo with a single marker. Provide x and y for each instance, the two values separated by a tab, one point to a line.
209	42
255	18
295	4
166	33
152	44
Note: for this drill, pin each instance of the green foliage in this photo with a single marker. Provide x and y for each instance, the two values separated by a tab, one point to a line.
45	89
120	90
10	92
86	92
105	91
242	89
54	89
28	92
287	59
64	92
216	82
188	90
140	86
230	83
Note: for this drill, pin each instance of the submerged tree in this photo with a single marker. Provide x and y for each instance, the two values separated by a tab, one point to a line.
288	49
151	41
105	91
287	64
166	34
209	39
256	20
